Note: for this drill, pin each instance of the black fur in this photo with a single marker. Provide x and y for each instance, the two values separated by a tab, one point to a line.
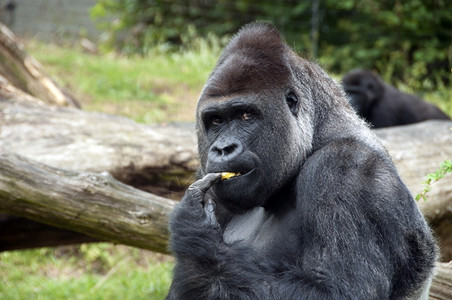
383	105
319	211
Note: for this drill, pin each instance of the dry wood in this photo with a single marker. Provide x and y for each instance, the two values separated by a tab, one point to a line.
441	288
21	71
163	157
94	204
418	150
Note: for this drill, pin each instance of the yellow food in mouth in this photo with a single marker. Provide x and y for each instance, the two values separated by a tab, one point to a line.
228	175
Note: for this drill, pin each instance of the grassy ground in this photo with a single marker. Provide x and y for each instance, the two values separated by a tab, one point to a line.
90	271
159	88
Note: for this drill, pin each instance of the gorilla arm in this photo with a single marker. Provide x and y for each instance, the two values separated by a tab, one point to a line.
207	268
363	236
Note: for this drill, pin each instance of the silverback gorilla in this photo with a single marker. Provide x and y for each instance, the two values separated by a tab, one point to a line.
383	105
317	210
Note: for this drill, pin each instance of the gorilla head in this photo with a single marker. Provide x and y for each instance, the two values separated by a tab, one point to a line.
364	90
253	118
383	105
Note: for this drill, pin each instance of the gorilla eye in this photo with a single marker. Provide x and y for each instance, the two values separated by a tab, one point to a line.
216	120
247	116
292	102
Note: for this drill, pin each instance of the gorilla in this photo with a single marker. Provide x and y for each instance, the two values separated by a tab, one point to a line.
316	209
383	105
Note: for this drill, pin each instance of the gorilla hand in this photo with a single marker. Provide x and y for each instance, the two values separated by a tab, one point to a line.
196	192
193	213
197	241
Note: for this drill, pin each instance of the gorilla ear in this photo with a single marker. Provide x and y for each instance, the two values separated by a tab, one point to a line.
292	101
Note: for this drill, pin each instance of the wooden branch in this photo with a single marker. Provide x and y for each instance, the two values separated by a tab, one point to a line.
94	204
441	288
163	157
20	70
418	150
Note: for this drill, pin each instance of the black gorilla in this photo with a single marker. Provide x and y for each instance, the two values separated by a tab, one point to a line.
318	212
383	105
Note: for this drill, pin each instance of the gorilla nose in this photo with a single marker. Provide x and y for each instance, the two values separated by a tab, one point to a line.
226	149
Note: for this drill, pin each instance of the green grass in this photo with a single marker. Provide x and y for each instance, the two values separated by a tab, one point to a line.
161	87
90	271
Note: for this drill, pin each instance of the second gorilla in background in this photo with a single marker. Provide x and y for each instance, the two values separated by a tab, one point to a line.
383	105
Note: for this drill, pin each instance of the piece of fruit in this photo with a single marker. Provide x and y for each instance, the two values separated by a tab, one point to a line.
228	175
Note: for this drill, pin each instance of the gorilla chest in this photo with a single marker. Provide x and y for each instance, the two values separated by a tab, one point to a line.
263	232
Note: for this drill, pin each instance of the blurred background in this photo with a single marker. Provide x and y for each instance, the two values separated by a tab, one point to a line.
148	60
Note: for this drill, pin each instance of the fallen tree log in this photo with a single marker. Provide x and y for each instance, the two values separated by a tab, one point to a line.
90	203
418	150
19	70
441	288
162	158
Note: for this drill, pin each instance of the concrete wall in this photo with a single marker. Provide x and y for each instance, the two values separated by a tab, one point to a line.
51	19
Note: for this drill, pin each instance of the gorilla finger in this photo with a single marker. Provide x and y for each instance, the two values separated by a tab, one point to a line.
203	184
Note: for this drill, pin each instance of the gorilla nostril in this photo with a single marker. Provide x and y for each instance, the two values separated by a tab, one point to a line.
226	148
229	149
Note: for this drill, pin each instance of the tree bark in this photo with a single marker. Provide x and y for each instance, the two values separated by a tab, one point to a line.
161	159
441	288
21	72
91	203
418	150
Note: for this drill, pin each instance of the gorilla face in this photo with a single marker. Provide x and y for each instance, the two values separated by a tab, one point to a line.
241	134
364	90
